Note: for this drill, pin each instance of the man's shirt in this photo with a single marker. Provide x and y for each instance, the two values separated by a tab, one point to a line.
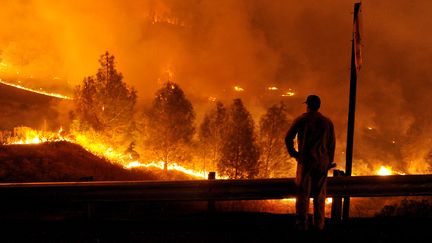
315	138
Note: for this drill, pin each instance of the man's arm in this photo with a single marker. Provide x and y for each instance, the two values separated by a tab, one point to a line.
332	143
289	139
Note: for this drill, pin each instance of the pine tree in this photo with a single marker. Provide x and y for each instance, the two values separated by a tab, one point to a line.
239	151
105	103
211	133
170	124
274	159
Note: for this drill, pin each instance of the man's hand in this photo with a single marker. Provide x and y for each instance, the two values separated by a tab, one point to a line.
331	166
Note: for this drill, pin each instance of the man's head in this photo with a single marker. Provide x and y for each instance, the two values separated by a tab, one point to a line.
313	102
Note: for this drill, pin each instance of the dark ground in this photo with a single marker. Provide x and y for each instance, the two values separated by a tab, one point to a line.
217	227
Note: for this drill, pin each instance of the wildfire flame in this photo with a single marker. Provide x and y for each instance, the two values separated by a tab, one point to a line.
289	93
171	166
36	91
26	135
383	171
157	17
238	88
387	170
328	200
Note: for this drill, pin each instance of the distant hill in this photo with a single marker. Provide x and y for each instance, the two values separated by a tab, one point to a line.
25	108
64	161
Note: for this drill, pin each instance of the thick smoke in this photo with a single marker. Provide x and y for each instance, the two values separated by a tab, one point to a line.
208	47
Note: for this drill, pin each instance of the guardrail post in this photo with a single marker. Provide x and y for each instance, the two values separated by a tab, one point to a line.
336	207
90	210
211	207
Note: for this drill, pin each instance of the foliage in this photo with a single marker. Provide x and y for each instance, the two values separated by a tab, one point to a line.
239	150
105	103
211	134
274	159
170	124
428	159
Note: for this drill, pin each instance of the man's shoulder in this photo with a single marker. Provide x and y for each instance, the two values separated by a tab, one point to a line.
312	116
326	119
302	117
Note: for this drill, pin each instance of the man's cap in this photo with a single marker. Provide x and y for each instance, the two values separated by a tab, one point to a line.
313	101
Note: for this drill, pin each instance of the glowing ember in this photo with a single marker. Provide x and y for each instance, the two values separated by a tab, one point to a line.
238	89
272	88
212	99
288	94
166	18
36	91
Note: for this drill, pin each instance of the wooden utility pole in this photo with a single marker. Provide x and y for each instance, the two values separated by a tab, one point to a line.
355	65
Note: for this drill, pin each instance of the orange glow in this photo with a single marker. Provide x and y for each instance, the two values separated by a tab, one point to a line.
272	88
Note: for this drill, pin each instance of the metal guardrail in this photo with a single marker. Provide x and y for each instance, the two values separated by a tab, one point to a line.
217	190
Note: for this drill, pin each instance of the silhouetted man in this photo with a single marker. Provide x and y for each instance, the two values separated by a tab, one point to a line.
316	146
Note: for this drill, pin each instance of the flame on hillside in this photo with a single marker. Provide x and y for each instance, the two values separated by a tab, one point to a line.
387	170
36	91
101	149
26	135
328	200
171	166
93	144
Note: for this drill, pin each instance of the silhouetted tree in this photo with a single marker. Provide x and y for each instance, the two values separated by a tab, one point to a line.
105	103
239	151
428	159
211	133
274	159
170	123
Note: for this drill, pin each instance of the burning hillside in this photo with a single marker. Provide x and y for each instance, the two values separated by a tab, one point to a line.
26	107
65	161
